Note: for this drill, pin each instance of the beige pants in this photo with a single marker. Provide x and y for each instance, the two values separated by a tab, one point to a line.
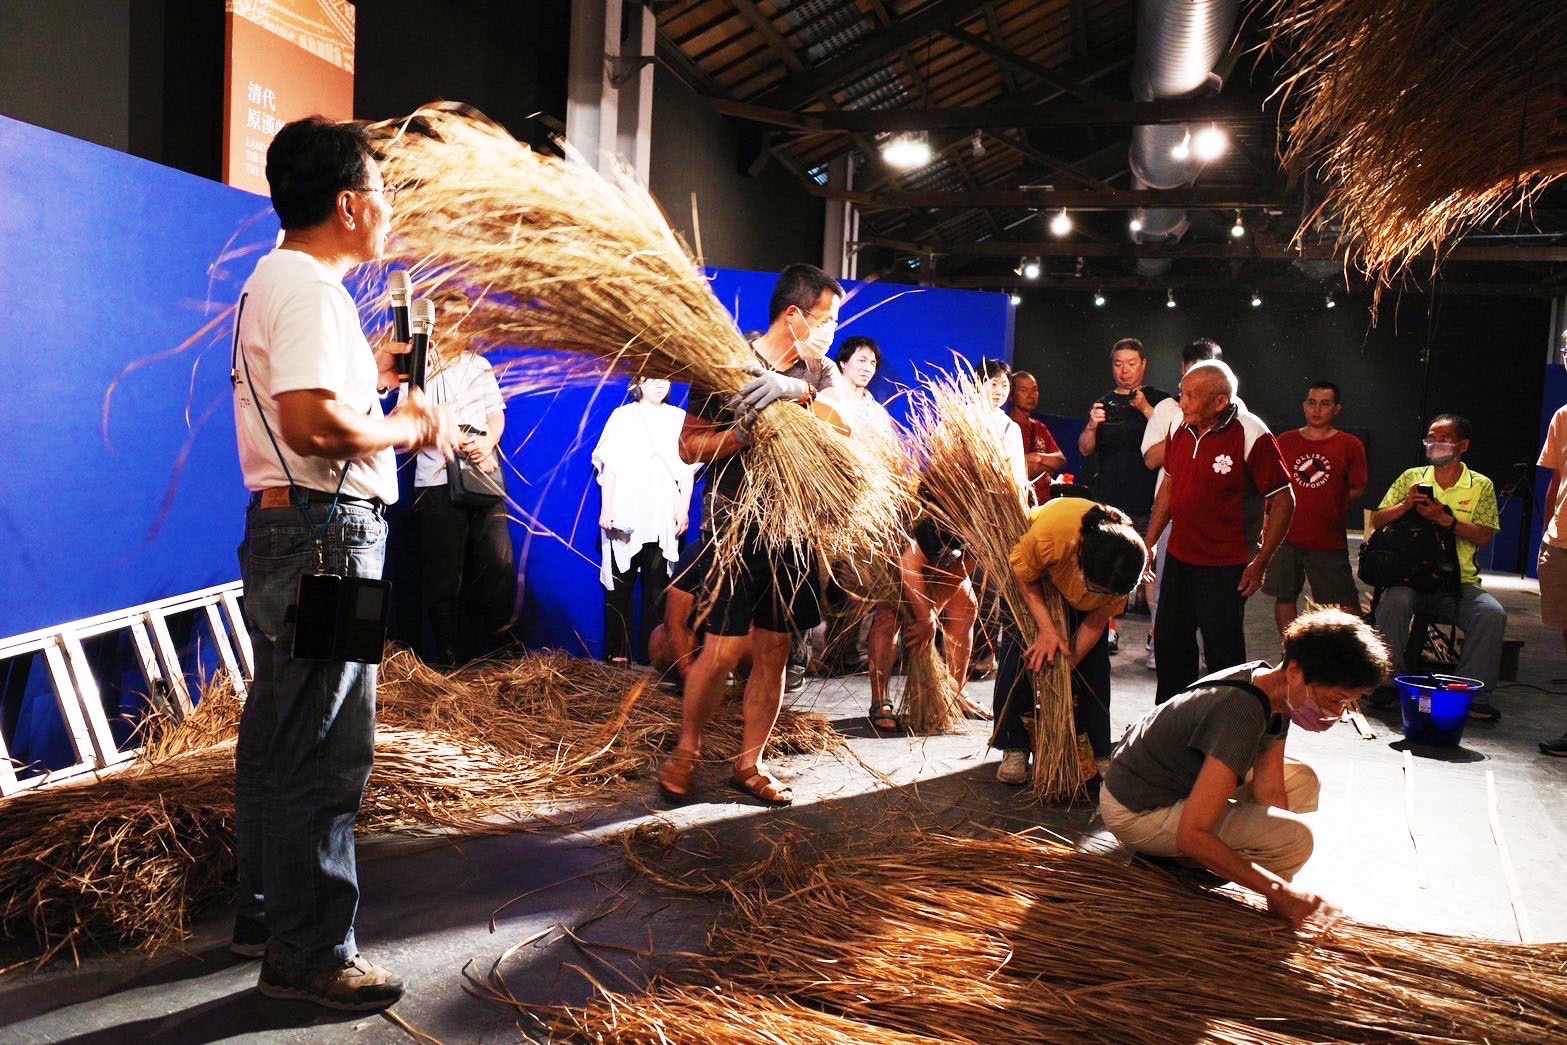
1275	838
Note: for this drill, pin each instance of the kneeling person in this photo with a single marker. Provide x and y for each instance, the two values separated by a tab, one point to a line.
1203	776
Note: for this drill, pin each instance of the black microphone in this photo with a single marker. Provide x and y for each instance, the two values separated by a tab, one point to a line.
421	322
400	290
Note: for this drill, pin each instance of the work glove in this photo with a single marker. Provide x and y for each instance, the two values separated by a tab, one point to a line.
765	389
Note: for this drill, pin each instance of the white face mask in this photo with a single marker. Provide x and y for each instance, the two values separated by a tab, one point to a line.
818	339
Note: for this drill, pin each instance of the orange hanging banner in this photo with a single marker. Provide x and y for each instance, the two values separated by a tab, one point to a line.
283	59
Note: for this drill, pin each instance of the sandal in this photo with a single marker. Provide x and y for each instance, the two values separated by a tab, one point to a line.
883	717
677	776
763	785
1484	711
973	710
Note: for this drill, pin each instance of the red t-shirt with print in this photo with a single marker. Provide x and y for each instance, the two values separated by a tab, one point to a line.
1038	440
1210	475
1322	471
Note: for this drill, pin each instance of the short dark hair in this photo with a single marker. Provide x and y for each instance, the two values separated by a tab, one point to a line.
989	368
309	162
1335	648
1110	551
800	285
1200	349
854	344
1457	421
1018	375
1338	397
1129	343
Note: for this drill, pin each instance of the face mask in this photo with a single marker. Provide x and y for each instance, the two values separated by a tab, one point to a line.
1441	453
817	341
1309	715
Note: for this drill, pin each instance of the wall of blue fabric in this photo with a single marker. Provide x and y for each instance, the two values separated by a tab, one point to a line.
109	263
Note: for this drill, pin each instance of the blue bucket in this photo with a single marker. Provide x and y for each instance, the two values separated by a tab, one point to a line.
1436	707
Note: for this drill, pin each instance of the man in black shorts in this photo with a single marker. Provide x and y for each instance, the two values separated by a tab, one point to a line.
760	603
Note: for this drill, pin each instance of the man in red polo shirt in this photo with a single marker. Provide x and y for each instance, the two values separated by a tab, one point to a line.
1213	460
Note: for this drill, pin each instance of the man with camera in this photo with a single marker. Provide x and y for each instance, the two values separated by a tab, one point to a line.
317	456
1446	492
1113	438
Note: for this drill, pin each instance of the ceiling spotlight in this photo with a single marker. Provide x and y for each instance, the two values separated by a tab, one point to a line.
1099	299
1256	300
1031	268
1238	229
1329	302
977	145
1061	224
1015	298
1136	224
1183	151
1210	143
907	151
1169	299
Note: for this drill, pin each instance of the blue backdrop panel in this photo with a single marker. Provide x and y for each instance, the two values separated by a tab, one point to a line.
104	260
550	439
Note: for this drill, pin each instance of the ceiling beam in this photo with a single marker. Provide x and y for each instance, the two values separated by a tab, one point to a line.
1016	61
802	87
1281	284
1201	197
1270	251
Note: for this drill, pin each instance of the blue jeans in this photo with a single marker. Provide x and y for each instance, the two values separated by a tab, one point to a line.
306	741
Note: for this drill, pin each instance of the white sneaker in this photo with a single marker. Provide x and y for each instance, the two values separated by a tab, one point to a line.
1148	661
1014	768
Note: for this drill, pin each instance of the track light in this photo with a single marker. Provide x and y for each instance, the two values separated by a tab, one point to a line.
1061	224
1329	302
1183	151
1136	224
1031	268
1015	298
907	151
1099	299
1210	143
1238	229
1169	299
1256	300
977	145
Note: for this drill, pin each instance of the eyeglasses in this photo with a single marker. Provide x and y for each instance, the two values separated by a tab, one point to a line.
389	193
820	321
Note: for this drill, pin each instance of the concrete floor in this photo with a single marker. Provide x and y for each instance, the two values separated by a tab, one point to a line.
1414	850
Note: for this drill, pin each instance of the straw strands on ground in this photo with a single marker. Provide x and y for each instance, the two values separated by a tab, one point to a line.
552	255
969	486
1015	938
1429	120
126	857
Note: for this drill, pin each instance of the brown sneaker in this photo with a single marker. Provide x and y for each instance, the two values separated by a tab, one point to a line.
357	985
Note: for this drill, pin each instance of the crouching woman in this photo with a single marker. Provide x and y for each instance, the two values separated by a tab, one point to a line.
1204	777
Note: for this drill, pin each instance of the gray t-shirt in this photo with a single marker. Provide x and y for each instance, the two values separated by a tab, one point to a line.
1157	762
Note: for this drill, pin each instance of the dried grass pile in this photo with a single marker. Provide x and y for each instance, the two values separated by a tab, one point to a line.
968	485
1428	120
913	936
551	255
125	858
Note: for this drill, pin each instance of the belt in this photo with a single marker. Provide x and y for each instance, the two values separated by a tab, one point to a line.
288	497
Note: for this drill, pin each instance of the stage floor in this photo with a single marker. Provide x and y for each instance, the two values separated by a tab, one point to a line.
1416	851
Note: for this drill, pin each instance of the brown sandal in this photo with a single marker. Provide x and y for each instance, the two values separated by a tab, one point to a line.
762	784
677	776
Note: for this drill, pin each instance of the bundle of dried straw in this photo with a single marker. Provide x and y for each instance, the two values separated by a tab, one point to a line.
1427	121
125	858
551	255
932	700
969	486
1013	938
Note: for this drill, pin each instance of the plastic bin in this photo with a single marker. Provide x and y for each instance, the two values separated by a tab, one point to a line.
1436	707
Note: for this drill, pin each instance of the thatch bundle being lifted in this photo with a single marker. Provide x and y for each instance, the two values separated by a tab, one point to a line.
968	485
548	254
125	858
909	936
1427	118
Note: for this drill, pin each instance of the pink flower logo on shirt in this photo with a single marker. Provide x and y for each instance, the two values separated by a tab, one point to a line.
1223	463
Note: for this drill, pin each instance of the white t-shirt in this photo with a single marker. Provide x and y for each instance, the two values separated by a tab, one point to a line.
299	329
640	447
1012	446
467	386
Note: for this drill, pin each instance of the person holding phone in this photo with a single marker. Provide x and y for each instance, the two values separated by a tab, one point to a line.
1447	492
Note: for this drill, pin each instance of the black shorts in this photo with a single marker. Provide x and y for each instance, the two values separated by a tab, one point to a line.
691	576
774	592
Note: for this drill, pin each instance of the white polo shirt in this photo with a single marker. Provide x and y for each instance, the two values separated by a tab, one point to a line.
298	330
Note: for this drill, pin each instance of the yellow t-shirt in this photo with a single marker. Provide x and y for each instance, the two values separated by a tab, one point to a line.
1472	500
1049	548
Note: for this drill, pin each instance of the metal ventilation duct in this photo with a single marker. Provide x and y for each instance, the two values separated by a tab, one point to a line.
1178	44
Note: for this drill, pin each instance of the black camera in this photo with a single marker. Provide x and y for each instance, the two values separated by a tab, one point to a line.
1115	409
340	618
